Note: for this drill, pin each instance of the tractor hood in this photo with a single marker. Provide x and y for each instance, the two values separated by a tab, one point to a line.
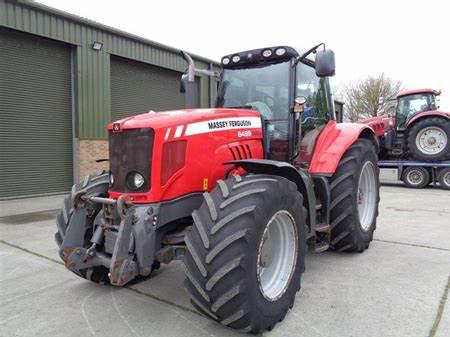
379	124
174	118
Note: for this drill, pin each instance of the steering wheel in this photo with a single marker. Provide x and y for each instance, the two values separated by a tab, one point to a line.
263	109
268	101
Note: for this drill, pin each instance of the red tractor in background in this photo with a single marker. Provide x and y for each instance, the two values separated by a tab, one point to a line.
416	140
237	192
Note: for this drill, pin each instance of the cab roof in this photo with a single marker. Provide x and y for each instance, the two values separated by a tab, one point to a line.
418	91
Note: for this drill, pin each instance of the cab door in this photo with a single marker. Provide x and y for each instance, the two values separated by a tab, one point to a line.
315	114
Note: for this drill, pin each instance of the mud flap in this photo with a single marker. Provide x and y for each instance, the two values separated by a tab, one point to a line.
74	235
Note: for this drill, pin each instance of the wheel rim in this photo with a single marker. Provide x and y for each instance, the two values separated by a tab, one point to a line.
277	255
415	177
446	179
366	195
431	140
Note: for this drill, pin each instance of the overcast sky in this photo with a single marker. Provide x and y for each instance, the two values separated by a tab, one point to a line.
407	40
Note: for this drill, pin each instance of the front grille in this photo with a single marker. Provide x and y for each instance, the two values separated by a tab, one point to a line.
131	151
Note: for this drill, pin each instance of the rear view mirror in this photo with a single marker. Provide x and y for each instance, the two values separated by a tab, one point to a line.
325	63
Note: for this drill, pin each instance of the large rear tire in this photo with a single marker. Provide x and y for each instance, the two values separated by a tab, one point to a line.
354	198
246	251
429	139
95	185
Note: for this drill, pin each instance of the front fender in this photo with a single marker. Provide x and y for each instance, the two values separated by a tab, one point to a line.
332	143
303	181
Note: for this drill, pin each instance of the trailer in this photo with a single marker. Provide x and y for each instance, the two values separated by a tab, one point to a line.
418	174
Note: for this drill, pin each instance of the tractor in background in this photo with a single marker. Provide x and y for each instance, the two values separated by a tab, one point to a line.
417	130
237	192
416	140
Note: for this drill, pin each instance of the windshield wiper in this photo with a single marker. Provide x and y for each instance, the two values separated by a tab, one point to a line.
238	107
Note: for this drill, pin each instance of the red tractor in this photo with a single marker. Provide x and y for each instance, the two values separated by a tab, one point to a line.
418	130
237	192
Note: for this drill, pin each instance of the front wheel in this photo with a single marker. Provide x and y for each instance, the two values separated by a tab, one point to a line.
245	252
94	185
355	197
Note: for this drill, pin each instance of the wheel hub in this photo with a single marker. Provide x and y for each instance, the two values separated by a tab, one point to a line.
415	177
360	196
447	178
277	255
431	140
266	256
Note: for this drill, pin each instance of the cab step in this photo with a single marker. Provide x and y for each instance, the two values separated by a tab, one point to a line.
322	227
321	247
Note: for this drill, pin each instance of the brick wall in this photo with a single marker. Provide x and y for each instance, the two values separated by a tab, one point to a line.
88	151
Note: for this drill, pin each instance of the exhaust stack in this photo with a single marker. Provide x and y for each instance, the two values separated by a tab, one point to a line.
188	84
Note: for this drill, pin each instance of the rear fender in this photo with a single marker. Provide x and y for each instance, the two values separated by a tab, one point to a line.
302	179
426	114
332	143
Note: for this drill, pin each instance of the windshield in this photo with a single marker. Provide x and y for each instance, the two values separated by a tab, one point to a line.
410	105
264	88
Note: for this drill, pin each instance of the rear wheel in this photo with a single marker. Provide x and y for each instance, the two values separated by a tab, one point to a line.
246	251
95	185
416	177
444	178
429	139
355	198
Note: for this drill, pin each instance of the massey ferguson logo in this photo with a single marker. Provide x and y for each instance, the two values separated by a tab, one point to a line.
116	127
222	124
226	124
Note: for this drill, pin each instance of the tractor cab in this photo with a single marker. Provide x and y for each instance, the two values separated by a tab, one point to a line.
413	102
289	89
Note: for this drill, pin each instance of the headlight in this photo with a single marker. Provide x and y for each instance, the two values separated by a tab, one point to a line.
280	51
236	58
267	53
135	180
225	60
111	179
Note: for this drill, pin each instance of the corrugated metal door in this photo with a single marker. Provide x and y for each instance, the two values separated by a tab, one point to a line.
35	115
138	87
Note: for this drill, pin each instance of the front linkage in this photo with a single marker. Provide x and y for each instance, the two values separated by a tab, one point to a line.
113	241
117	240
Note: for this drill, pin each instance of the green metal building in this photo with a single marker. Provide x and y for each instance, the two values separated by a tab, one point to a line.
63	78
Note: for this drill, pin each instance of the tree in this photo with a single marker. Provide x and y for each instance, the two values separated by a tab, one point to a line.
362	98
